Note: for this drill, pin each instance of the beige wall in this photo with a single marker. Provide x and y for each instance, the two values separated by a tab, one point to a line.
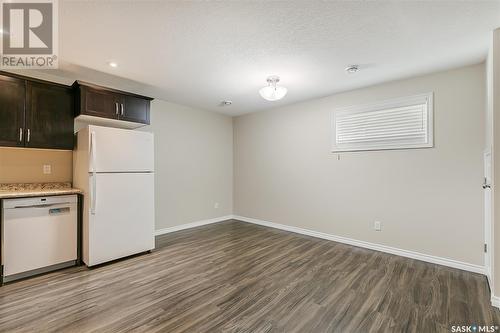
22	165
428	200
193	164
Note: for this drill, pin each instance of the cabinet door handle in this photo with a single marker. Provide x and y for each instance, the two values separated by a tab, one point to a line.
116	108
20	135
28	136
122	109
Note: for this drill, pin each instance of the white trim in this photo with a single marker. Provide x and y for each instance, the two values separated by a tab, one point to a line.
372	246
192	225
495	301
489	277
488	233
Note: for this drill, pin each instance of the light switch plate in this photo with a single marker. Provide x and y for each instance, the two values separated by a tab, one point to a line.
47	169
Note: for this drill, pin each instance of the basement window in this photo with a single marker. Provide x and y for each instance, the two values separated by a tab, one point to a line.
401	123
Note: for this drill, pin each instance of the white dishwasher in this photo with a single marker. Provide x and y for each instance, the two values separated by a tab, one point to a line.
38	235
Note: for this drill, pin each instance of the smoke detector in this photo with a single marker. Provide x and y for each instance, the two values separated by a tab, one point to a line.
351	69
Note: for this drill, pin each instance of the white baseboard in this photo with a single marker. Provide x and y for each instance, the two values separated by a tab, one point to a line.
495	301
372	246
192	225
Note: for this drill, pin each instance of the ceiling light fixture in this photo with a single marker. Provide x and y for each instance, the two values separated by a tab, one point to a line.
351	69
113	64
272	92
227	103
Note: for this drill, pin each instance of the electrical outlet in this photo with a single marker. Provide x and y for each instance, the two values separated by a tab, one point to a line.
216	205
377	225
47	169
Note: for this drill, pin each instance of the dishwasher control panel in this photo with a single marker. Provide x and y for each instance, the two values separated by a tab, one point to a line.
37	201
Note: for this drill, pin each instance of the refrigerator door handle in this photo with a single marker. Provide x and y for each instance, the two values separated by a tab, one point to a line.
92	150
93	192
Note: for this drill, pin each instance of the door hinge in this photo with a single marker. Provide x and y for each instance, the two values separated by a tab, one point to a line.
485	248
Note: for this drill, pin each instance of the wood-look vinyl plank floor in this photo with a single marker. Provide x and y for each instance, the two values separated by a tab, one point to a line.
238	277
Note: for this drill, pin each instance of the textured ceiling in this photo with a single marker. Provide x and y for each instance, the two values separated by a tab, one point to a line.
200	53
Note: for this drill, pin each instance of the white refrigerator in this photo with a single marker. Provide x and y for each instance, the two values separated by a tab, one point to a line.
115	169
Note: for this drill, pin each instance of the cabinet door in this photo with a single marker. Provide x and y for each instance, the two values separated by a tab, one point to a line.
99	103
12	102
49	116
135	109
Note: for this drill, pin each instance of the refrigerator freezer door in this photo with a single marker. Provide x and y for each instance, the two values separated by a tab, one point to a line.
123	222
120	150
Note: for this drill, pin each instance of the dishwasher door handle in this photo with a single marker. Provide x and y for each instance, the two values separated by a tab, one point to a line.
43	205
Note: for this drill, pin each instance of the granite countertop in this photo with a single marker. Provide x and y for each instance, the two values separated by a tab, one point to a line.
20	190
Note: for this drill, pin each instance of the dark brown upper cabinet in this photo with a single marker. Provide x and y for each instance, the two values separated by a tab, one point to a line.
135	109
96	102
35	113
12	102
129	109
49	116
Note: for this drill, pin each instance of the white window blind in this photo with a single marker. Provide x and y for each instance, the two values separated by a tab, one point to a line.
396	124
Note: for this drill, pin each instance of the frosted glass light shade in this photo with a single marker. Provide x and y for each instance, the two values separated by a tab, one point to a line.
273	93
